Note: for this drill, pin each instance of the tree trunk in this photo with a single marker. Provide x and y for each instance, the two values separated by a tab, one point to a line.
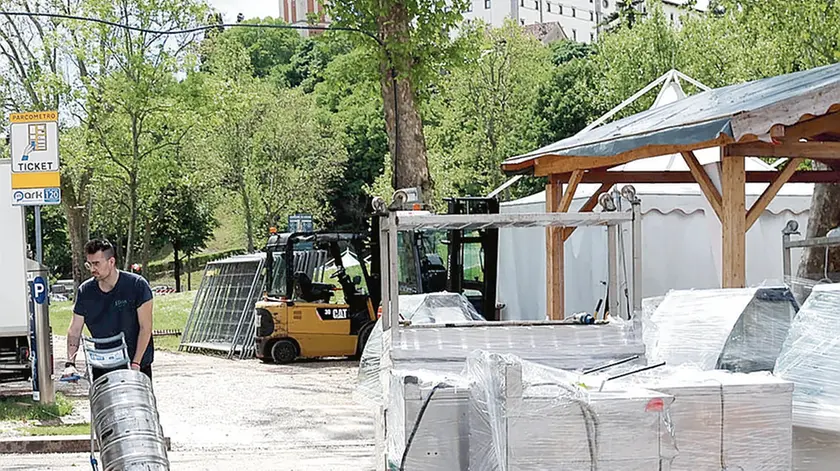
147	245
408	149
189	272
249	223
78	223
132	221
824	216
177	269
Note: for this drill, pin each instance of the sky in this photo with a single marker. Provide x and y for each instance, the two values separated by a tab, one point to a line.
249	8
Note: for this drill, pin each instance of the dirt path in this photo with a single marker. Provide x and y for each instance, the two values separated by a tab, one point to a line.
244	415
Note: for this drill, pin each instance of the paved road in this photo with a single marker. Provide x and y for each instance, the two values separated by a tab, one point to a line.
245	415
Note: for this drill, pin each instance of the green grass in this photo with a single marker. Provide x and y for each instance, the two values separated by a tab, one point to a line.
24	408
57	430
170	313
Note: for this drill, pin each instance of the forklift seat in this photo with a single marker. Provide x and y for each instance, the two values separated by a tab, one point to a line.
312	292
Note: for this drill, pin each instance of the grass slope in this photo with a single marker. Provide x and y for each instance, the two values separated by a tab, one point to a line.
170	313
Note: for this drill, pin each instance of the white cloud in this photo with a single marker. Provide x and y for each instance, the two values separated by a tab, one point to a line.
249	8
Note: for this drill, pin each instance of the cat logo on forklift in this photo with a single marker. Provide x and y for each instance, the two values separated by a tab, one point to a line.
332	313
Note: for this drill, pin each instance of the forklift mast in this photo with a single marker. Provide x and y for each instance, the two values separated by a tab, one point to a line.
488	243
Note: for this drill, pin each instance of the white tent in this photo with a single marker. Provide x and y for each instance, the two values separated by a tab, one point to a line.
681	246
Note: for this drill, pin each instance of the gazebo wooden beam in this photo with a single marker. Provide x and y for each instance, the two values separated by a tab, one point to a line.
756	176
588	206
571	188
811	150
812	127
767	196
554	279
733	222
706	185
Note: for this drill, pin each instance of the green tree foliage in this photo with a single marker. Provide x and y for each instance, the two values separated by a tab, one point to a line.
184	219
484	110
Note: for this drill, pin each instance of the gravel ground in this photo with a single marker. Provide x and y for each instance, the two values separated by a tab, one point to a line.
245	415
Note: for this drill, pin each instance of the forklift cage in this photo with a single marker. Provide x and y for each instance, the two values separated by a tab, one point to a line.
392	223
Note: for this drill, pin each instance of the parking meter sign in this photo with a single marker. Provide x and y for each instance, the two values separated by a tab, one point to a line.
39	290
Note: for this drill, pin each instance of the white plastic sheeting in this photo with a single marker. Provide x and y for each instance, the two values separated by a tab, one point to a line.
810	358
731	329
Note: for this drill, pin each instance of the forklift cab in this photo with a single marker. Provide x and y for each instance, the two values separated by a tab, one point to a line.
319	299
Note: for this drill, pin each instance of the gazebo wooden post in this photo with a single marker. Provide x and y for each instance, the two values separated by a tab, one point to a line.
733	221
554	280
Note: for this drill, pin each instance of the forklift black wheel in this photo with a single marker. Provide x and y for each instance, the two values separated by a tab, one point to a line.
364	335
284	351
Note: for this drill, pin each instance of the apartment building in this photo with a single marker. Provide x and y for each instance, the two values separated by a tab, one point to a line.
300	11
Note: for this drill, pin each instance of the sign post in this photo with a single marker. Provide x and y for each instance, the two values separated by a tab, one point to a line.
36	181
43	387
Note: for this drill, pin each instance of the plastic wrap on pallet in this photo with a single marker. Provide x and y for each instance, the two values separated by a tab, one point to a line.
815	450
525	416
722	420
558	345
432	308
427	421
733	329
437	308
810	358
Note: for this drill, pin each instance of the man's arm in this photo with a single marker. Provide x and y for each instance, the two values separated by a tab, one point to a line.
74	336
144	316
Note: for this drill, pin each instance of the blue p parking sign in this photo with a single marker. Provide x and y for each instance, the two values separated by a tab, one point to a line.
39	290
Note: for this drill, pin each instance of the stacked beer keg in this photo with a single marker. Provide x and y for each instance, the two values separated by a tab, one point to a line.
125	418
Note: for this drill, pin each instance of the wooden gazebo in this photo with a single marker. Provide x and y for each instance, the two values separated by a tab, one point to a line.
796	116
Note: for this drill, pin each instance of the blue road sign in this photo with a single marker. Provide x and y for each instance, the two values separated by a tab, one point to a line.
39	290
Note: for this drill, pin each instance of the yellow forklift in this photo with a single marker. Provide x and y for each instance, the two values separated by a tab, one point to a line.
334	315
330	317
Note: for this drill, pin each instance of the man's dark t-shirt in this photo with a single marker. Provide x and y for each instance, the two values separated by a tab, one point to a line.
108	314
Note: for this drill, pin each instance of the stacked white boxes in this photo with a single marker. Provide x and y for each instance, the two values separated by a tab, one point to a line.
725	420
524	416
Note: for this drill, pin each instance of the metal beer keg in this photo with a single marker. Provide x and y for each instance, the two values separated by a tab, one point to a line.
124	416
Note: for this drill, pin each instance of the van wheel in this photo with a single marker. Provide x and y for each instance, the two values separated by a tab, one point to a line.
284	351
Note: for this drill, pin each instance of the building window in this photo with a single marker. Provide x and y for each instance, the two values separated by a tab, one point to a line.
606	4
574	35
591	16
548	7
592	37
522	21
573	12
672	17
536	4
560	9
521	3
486	4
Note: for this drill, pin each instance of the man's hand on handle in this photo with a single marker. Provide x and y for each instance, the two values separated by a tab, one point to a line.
135	366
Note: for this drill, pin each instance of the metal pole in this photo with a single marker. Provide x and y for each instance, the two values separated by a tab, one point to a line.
637	256
786	262
612	253
43	389
39	246
393	276
385	269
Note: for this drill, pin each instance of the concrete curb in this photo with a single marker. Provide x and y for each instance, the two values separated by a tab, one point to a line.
52	444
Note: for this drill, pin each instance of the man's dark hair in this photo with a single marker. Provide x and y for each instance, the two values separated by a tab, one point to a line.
100	245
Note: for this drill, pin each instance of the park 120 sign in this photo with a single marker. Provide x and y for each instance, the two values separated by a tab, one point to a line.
35	166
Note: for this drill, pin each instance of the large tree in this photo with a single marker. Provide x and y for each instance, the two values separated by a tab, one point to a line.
416	42
132	94
39	61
